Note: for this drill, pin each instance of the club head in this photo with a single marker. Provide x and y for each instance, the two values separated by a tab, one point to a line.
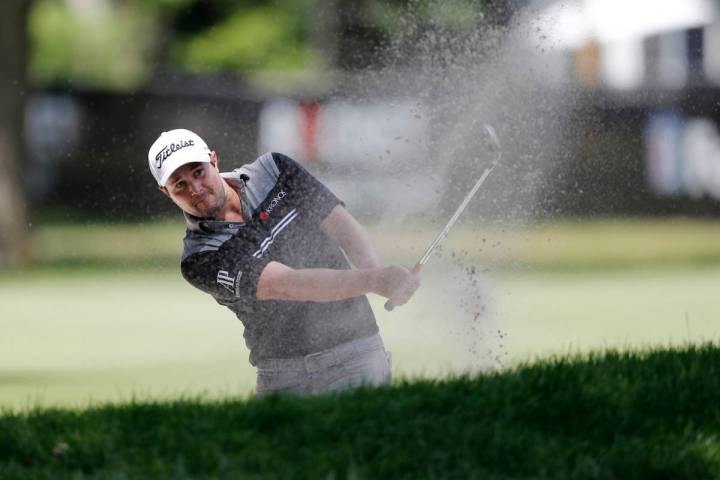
492	142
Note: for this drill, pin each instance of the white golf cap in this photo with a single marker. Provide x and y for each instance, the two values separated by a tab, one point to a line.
174	149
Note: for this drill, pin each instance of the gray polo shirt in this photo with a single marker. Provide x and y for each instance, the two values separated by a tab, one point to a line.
285	205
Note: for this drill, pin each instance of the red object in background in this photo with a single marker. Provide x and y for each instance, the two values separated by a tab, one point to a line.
264	215
310	112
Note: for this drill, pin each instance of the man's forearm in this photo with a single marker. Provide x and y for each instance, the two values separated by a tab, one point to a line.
279	282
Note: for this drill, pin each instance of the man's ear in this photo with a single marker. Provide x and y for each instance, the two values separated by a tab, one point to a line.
164	190
214	159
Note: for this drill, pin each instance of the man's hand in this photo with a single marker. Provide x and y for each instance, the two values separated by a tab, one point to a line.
397	284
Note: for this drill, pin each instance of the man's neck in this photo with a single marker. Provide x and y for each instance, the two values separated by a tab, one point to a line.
232	210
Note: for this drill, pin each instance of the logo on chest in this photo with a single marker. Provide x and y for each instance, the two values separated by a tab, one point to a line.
275	232
265	214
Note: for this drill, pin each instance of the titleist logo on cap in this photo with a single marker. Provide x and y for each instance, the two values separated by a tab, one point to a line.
168	150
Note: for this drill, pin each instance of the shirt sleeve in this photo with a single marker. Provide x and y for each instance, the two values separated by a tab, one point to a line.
223	275
314	195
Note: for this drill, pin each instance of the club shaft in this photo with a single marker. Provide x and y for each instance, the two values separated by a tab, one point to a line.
418	266
426	256
423	260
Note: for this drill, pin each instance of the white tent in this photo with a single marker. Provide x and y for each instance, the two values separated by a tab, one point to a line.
569	24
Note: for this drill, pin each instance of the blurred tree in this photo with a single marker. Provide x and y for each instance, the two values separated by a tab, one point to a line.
347	32
86	43
366	34
260	36
14	247
439	31
86	46
264	37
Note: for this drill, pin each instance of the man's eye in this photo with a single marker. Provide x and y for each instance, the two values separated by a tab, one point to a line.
198	172
180	186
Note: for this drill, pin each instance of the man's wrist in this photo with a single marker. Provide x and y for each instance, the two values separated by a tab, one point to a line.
374	280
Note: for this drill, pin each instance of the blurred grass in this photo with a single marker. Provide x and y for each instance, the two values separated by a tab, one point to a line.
605	244
111	334
93	244
568	245
105	315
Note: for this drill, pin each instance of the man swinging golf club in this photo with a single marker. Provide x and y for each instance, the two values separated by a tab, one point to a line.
265	241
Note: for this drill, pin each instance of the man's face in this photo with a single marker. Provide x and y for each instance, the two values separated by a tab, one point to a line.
197	188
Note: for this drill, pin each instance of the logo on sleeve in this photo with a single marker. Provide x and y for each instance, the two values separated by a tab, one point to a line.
265	214
224	279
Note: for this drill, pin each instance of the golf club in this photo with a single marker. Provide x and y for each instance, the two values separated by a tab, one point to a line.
493	144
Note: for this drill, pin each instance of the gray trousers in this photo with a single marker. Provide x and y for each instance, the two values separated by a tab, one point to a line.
359	362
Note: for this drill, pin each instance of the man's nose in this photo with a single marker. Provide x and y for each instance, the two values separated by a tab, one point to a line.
195	189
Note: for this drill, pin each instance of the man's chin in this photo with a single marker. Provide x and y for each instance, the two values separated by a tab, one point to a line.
207	212
197	211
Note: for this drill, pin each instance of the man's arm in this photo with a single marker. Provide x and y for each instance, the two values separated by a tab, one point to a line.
280	282
352	237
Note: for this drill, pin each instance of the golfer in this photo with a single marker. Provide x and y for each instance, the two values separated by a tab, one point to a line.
269	241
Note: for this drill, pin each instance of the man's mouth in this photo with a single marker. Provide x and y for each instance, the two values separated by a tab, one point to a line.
198	202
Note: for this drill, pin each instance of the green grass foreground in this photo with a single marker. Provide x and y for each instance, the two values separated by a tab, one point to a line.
614	416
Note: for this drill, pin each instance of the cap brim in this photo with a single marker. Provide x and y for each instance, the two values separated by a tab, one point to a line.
177	161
